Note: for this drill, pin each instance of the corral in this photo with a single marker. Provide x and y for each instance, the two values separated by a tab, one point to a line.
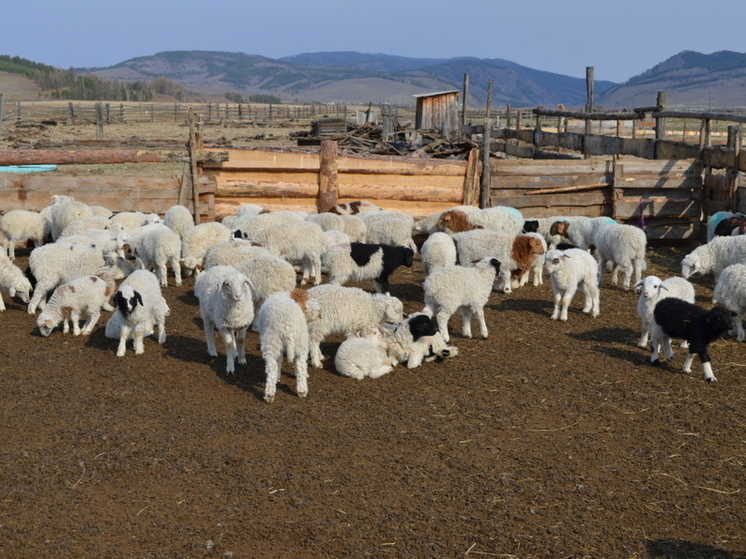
545	440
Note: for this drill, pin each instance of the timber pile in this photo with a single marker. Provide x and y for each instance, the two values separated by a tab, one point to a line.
368	139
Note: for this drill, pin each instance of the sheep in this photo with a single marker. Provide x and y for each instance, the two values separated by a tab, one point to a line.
389	228
225	303
179	219
536	269
364	355
297	241
499	218
676	318
13	281
730	292
467	290
140	307
355	228
249	225
250	209
85	295
568	270
23	225
578	231
332	238
429	224
64	211
516	253
57	263
131	220
653	289
79	225
360	261
714	256
283	330
415	340
101	211
232	251
438	251
714	221
624	247
346	310
354	208
156	247
268	274
327	221
197	241
103	239
733	225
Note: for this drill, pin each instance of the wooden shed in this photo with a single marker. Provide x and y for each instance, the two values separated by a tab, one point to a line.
437	110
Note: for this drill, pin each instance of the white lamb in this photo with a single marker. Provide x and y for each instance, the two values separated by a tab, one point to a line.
84	296
438	251
232	251
131	220
13	281
652	290
197	241
327	221
429	224
155	248
499	218
715	256
79	225
283	331
250	225
57	263
23	225
536	270
65	210
268	274
623	246
389	228
570	269
415	340
140	307
346	310
225	303
355	228
456	288
730	291
364	355
299	242
179	219
578	231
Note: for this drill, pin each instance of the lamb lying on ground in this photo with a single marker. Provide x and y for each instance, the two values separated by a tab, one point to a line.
675	318
364	355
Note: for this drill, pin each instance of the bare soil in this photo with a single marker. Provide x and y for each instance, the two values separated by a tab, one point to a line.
546	440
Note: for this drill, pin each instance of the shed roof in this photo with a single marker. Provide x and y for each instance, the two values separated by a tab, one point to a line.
435	94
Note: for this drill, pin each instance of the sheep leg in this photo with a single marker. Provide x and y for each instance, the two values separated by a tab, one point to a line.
176	267
39	298
627	276
466	314
592	300
479	312
666	341
301	376
162	274
161	324
382	370
93	315
557	306
210	337
123	335
240	337
230	349
707	369
272	367
566	300
139	342
443	317
739	326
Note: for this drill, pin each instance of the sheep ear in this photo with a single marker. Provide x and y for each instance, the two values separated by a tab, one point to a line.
565	255
49	323
139	298
638	284
664	287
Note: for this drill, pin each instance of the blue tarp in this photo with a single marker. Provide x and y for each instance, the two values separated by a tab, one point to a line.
27	168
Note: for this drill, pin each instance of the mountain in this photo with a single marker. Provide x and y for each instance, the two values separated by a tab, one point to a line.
351	77
690	80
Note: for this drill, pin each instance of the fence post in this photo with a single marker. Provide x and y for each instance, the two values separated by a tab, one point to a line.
734	143
589	87
328	173
660	123
99	121
484	186
463	104
2	102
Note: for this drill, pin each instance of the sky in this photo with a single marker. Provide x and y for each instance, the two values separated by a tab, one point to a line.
619	38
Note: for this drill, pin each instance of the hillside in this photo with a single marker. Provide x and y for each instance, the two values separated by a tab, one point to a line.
690	80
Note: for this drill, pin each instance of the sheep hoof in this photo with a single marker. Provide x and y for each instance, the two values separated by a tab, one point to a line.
711	379
302	394
656	363
269	399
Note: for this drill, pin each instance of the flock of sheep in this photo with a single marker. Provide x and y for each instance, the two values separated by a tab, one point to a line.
247	273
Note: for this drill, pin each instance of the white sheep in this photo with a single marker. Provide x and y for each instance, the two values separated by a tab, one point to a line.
355	208
140	306
13	281
535	272
652	290
232	251
250	209
730	291
327	221
389	228
355	228
624	247
364	355
715	256
268	274
249	225
131	220
569	270
225	303
197	241
179	219
415	340
101	211
86	295
577	231
456	288
283	330
346	310
23	225
429	224
156	247
438	251
57	263
65	210
299	242
499	218
79	225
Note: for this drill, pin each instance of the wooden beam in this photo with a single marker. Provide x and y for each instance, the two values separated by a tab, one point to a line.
100	156
328	191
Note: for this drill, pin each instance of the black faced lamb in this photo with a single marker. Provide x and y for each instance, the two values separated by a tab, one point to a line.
359	261
676	318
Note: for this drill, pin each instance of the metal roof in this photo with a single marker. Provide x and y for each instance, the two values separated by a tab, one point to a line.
435	94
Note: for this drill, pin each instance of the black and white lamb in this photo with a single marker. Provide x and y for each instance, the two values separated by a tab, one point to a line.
676	318
361	261
652	291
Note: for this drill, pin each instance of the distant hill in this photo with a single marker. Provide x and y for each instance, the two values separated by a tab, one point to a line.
353	77
690	80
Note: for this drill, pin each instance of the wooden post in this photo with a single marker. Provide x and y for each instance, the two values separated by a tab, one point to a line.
484	187
2	102
508	118
193	164
734	143
518	119
328	174
99	121
589	87
107	107
464	97
660	123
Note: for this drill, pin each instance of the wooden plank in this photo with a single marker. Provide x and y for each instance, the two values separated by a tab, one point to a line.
718	157
667	150
560	167
655	167
99	156
541	182
586	199
664	182
543	211
658	207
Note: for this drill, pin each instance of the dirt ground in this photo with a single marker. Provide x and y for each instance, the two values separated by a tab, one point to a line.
547	439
